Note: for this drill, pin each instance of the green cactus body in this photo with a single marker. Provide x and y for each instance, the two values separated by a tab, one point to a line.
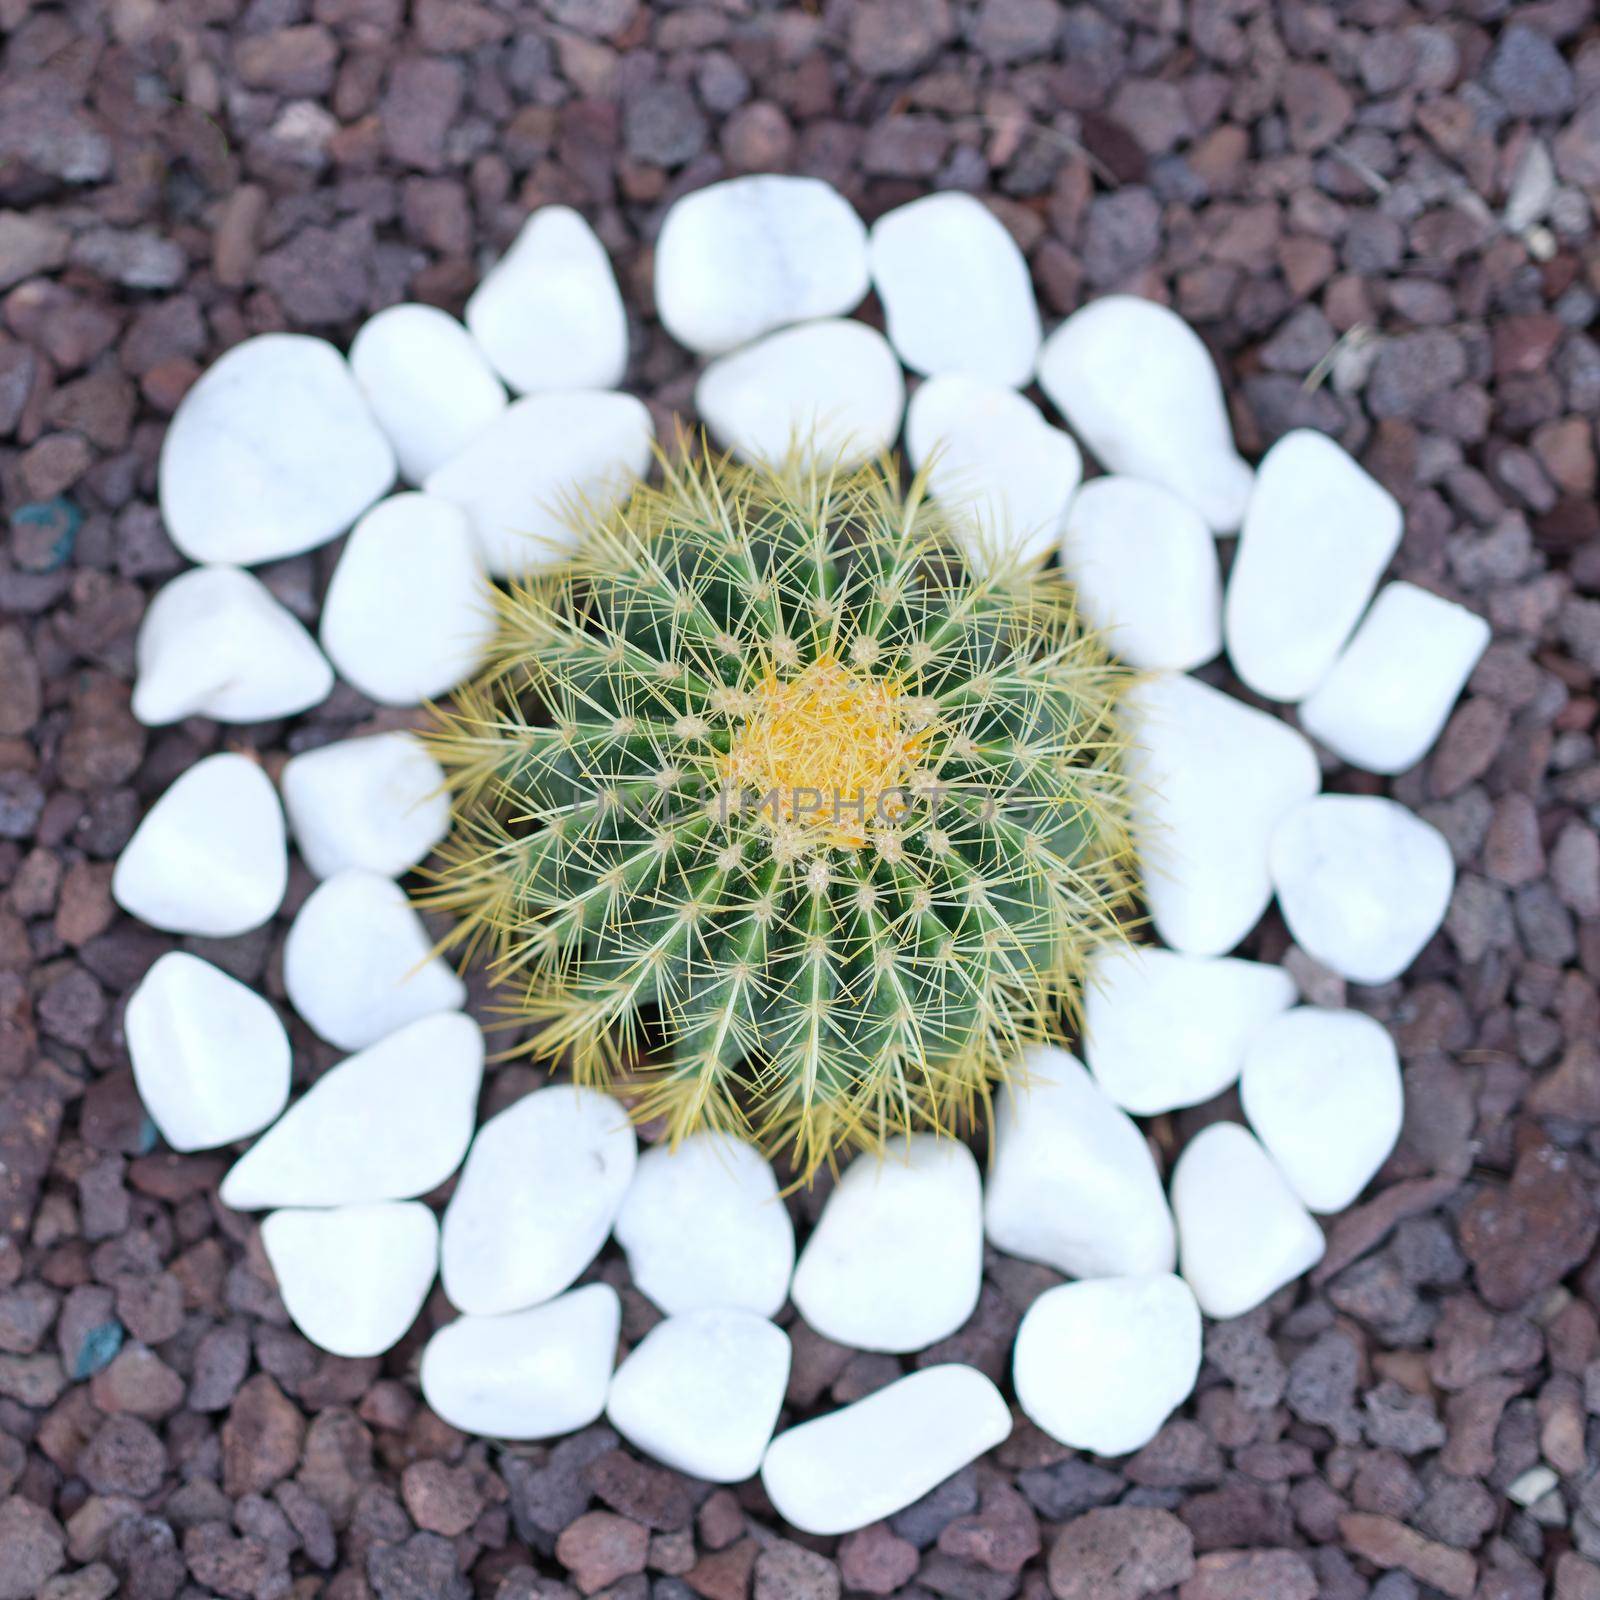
773	815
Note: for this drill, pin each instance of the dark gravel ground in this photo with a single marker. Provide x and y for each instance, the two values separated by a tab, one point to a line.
1382	217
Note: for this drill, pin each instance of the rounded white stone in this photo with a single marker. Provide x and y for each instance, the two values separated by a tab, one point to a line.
273	451
704	1227
832	388
520	479
548	314
861	1464
1164	1030
1145	567
1242	1231
955	289
542	1185
701	1393
1101	1365
428	384
1072	1182
1322	1091
353	1279
215	643
738	259
210	1056
1212	779
1317	535
1389	694
389	1123
993	455
1363	883
211	856
895	1261
378	802
1139	388
357	962
531	1375
409	612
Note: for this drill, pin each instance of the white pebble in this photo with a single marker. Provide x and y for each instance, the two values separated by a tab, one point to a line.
532	1375
1072	1182
542	1185
520	479
428	384
1242	1231
859	1465
1317	535
273	451
211	856
549	315
704	1227
738	259
1145	568
1164	1030
357	962
376	802
895	1261
409	611
1322	1091
215	643
1388	696
995	457
389	1123
1363	883
1212	779
830	388
955	289
701	1393
1101	1365
210	1056
1138	386
353	1279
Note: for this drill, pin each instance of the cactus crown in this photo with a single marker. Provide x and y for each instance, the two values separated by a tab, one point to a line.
776	815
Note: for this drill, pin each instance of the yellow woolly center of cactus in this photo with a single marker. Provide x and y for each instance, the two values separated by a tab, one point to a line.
829	751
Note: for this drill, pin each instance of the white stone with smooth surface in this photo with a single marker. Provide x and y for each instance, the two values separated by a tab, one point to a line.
1212	779
358	963
1100	1366
1145	568
738	259
701	1393
895	1261
273	451
428	384
211	856
531	1375
704	1227
1389	694
1242	1231
871	1459
389	1123
1072	1182
548	315
215	643
1317	535
1164	1030
542	1185
353	1279
1322	1091
833	388
955	289
210	1056
1363	883
1140	389
520	479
